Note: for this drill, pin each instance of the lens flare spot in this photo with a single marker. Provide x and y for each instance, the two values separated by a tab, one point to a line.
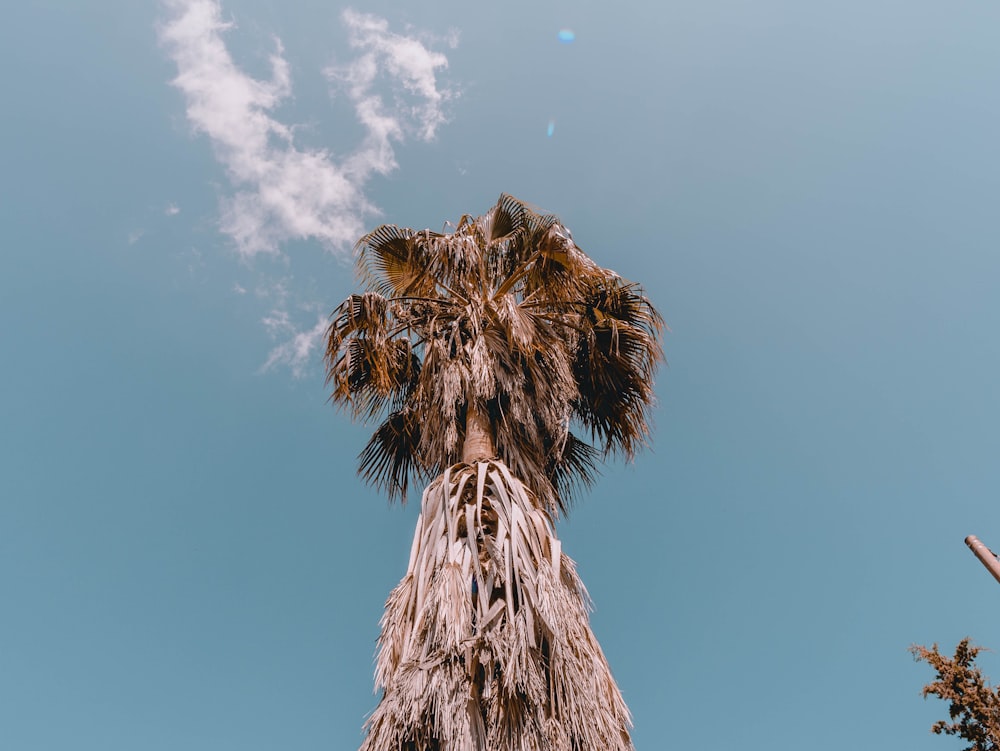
566	36
551	128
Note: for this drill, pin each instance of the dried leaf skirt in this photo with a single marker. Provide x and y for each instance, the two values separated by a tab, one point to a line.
486	642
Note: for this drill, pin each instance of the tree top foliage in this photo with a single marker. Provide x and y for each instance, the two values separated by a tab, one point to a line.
974	704
504	318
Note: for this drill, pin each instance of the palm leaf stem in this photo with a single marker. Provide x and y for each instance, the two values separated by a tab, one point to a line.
452	292
561	322
519	273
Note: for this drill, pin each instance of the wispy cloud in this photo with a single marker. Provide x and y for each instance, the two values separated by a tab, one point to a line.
281	190
409	68
298	347
284	191
172	209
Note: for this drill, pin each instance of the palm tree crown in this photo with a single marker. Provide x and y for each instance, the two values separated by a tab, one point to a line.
492	341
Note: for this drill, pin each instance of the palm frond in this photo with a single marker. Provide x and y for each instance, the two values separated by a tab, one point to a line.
562	273
391	456
367	313
371	373
571	467
504	229
614	364
505	220
391	260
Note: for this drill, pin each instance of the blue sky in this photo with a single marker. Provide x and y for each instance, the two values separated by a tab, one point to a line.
808	193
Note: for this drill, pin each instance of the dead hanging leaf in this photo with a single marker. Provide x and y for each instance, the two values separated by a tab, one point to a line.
487	581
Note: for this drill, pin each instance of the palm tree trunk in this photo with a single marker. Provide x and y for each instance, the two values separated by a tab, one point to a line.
478	444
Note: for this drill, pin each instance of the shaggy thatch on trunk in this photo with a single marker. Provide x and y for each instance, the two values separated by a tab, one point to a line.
478	349
485	643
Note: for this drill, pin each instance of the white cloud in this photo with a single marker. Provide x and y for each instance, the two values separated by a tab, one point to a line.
410	70
296	351
282	191
172	209
275	291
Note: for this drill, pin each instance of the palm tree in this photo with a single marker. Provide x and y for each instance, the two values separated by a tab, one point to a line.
478	349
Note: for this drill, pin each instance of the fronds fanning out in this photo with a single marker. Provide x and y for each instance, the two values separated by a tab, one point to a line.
504	316
388	460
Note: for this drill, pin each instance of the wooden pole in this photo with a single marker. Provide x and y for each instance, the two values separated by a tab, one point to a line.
985	555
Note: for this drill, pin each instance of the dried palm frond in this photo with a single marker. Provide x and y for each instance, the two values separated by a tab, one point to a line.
486	643
388	459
